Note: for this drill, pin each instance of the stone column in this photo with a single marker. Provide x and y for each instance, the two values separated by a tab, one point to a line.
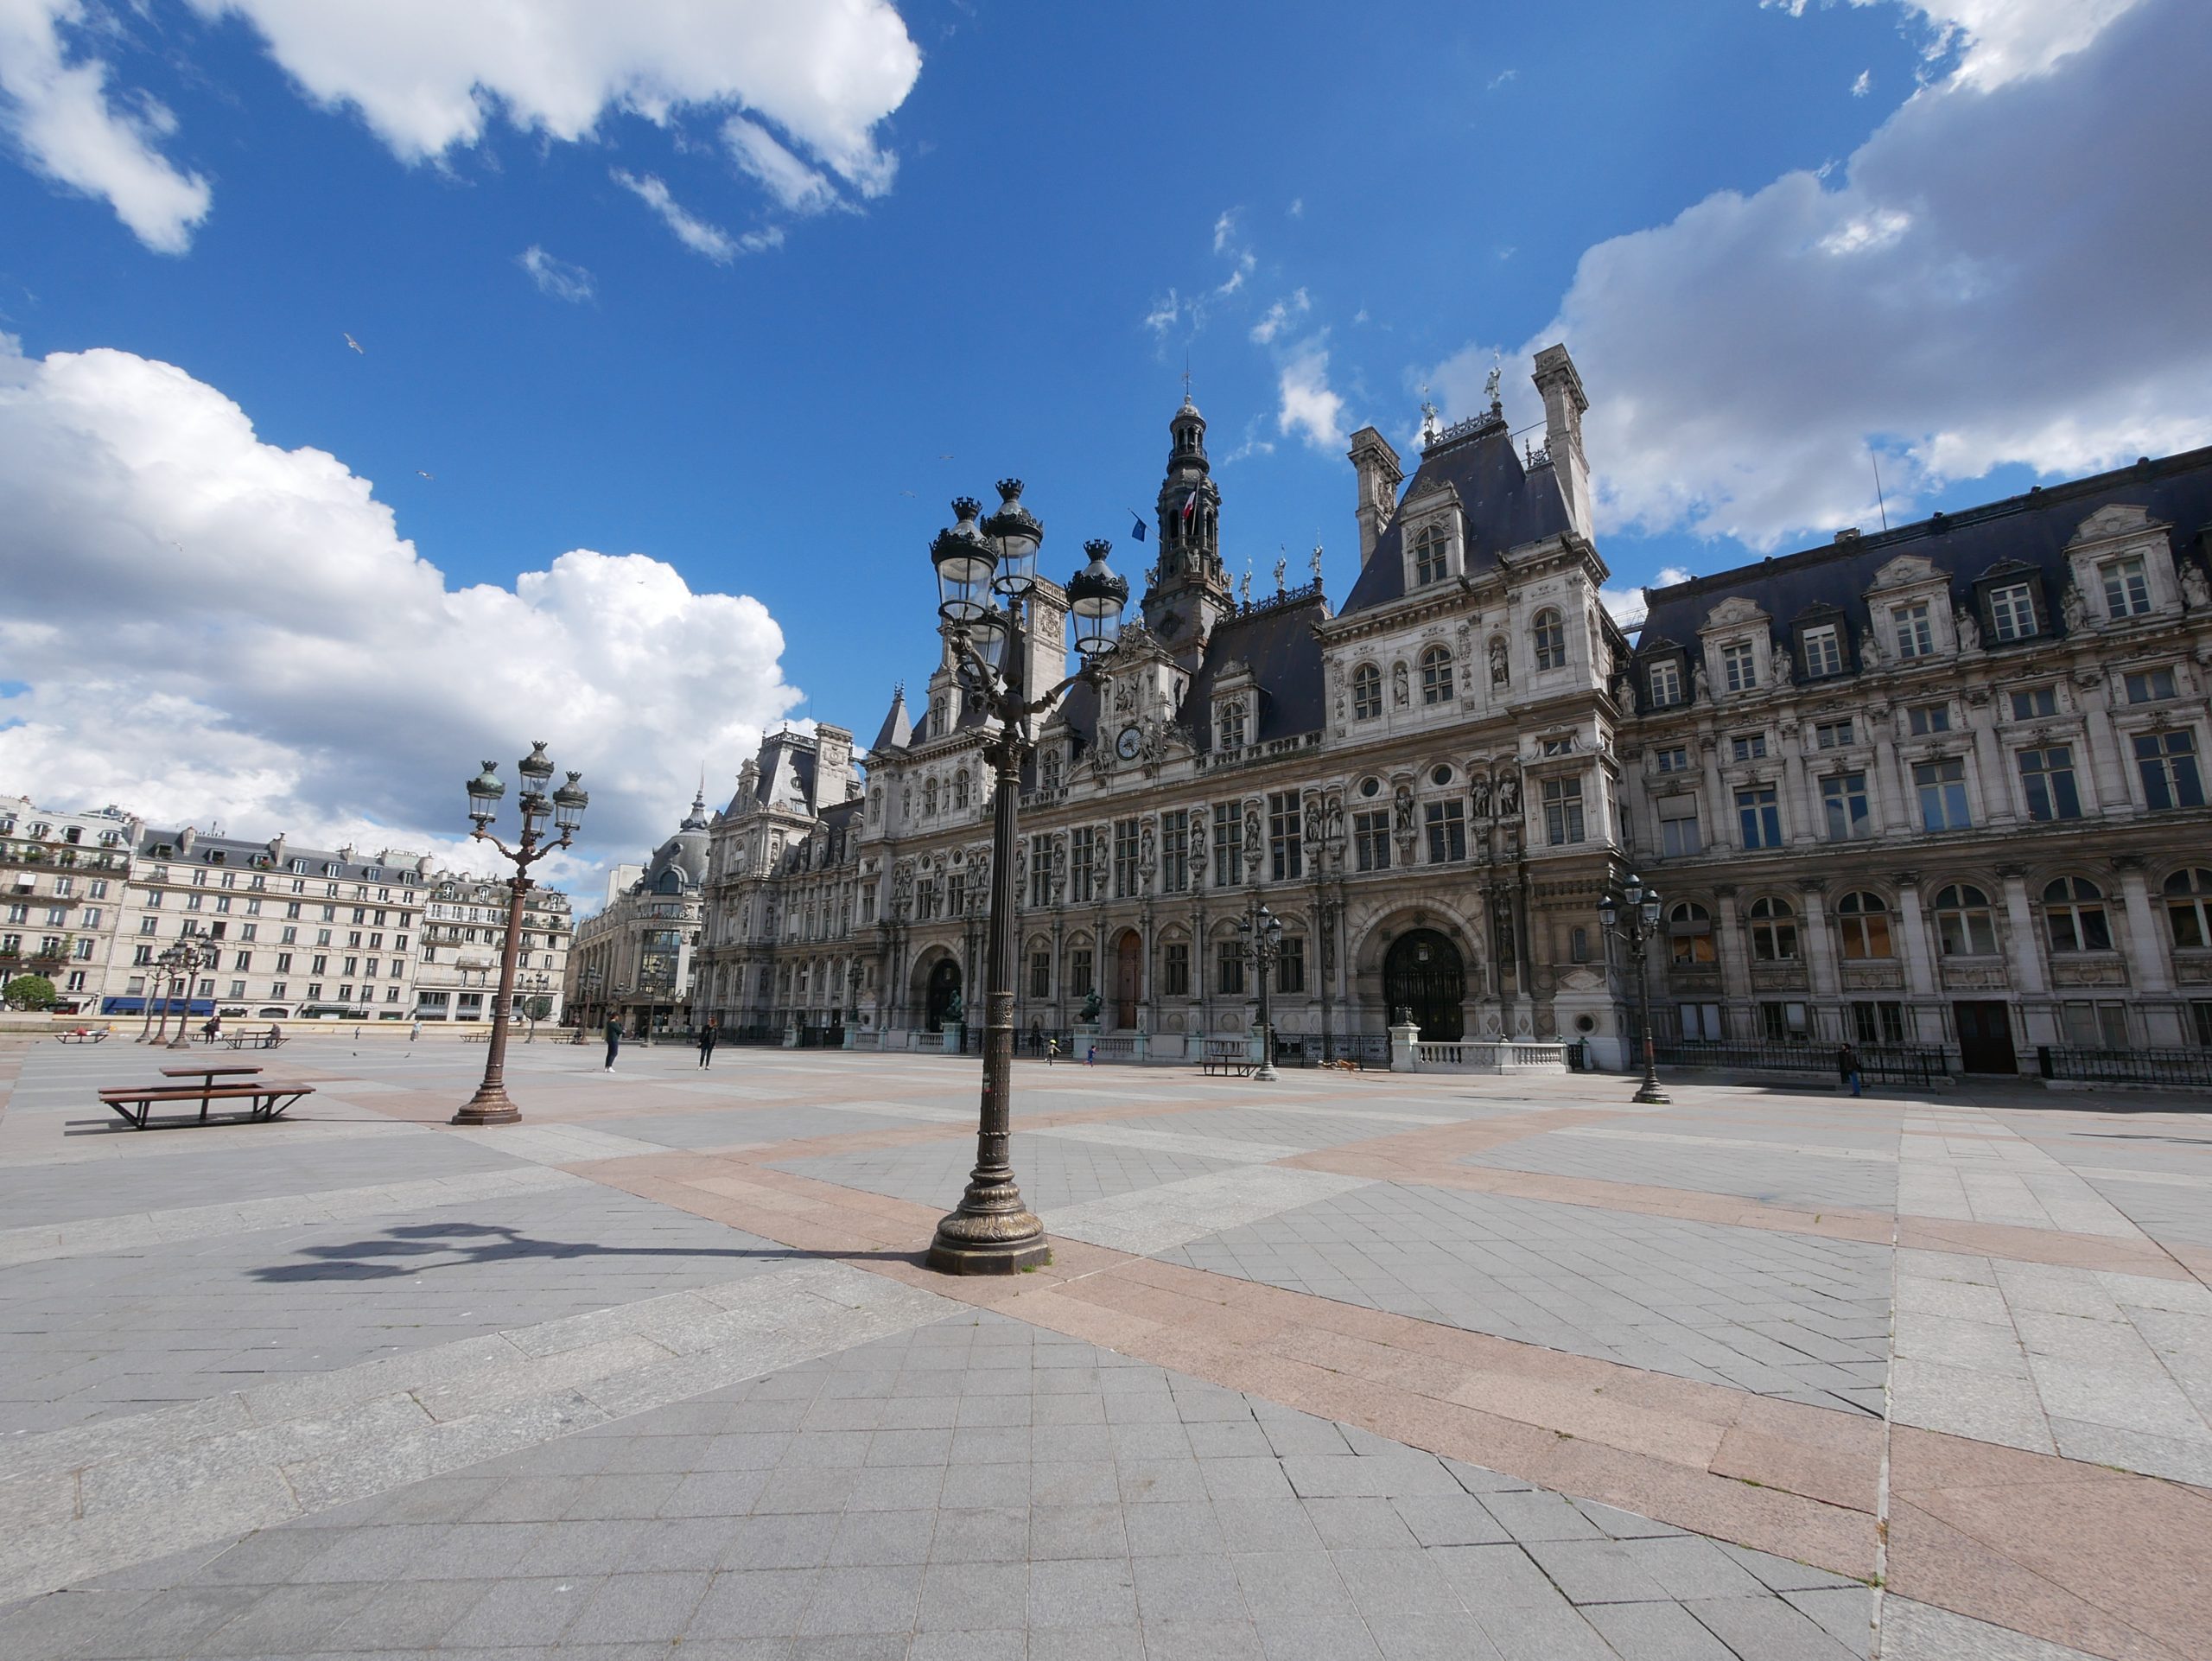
2108	768
1889	786
2026	958
1995	808
1728	942
1821	955
1719	823
1919	967
1804	812
2146	959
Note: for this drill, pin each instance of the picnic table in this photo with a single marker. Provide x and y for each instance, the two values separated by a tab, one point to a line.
1226	1055
263	1098
248	1039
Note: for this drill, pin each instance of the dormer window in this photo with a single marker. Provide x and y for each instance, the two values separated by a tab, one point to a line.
2012	612
1429	562
1048	768
1663	680
2126	586
1549	633
1739	666
1916	630
1232	726
1824	652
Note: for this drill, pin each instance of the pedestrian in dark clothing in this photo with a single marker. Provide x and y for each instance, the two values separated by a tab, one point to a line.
706	1036
613	1041
1847	1065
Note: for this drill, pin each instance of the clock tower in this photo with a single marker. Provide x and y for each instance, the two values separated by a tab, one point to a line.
1188	589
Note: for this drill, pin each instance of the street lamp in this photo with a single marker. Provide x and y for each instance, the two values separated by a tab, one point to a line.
193	957
993	1233
1633	914
566	807
1262	933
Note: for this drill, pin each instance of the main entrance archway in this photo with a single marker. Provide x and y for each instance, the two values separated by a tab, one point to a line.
1422	973
944	988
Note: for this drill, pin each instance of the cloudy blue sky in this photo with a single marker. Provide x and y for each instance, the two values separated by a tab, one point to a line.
385	383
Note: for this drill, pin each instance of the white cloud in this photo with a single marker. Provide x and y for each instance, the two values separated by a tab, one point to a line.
1626	606
1864	85
1224	231
1277	316
1670	575
56	108
1246	265
1501	79
2009	270
790	180
694	232
210	626
1297	209
1309	408
557	277
1164	313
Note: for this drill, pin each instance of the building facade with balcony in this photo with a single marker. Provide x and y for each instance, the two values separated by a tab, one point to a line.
63	883
302	933
463	932
1940	786
632	958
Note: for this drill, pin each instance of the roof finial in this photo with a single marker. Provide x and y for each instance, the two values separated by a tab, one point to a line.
1489	387
1427	415
1316	559
1186	380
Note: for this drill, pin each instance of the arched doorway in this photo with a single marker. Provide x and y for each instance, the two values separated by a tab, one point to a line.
1422	972
1128	979
944	987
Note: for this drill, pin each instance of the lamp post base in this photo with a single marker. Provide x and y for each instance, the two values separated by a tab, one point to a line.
1650	1093
988	1243
487	1107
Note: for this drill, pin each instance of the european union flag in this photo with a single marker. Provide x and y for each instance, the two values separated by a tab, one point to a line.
1137	529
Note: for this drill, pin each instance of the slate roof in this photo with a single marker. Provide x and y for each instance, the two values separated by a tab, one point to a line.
1506	505
1276	641
2032	528
898	729
390	866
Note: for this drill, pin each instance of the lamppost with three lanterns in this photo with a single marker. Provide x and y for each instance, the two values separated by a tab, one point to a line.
1633	914
1262	933
565	807
978	566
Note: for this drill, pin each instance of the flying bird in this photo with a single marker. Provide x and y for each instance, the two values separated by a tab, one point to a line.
426	475
944	458
355	344
905	493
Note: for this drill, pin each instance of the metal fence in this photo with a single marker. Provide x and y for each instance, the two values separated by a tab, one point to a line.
1884	1064
2184	1068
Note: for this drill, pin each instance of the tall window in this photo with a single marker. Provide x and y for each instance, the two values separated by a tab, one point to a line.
1228	844
1429	557
1048	767
1436	675
2047	782
1366	692
1824	652
1040	874
1175	970
1739	666
1878	1023
1562	811
1843	801
2073	916
2012	612
1125	859
1549	634
1774	931
1175	851
1370	840
1229	968
1079	972
1941	788
1083	864
1916	630
1447	831
960	788
1965	925
2127	587
1665	681
2188	908
2168	764
1862	923
1678	828
1285	854
1231	725
1290	966
1690	933
1759	815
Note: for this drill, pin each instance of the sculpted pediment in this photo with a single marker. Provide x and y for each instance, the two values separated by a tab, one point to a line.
2114	520
1905	570
1736	610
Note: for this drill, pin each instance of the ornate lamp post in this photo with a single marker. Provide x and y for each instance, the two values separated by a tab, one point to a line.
1633	914
1262	933
566	807
193	957
993	1233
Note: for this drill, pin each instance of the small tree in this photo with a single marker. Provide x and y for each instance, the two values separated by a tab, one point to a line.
28	992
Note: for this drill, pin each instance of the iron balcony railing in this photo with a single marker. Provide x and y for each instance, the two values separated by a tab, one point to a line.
2184	1068
1886	1063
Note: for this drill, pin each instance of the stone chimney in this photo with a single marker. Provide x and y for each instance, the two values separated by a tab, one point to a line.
1379	473
1564	404
1046	664
833	778
185	838
276	849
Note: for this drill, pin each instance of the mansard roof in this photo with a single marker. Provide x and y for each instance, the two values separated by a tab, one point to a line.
2028	531
898	729
1275	641
1506	505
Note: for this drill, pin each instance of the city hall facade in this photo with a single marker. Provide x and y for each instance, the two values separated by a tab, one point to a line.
1939	786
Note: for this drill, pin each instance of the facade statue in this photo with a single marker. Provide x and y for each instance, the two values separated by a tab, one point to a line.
2075	609
2196	592
1969	629
1509	794
1398	685
1501	670
1091	1005
1478	794
1401	809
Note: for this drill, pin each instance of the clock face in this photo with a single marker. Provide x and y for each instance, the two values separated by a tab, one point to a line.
1130	744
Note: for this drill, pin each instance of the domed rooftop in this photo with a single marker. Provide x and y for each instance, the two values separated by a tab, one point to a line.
679	865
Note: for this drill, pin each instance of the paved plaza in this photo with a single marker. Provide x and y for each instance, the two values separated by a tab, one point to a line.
1366	1367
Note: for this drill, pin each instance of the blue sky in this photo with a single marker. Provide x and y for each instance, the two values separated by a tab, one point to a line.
1772	235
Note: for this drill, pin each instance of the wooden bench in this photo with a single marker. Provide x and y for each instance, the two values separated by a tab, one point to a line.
83	1036
263	1099
251	1040
1223	1055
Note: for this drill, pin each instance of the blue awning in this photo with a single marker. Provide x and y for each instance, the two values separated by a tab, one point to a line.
137	1006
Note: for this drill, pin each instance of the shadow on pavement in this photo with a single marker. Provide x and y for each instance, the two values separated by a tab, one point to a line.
462	1245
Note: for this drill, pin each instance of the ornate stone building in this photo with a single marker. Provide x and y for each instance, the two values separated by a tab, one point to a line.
1942	785
464	928
633	958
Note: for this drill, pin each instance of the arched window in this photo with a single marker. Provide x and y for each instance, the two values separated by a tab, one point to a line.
2073	916
1550	636
960	788
1436	675
1366	692
1774	931
1232	725
2188	908
1689	928
1863	922
929	796
1429	557
1964	927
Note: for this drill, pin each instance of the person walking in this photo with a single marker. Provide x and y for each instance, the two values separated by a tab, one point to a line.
706	1036
1846	1066
614	1039
414	1033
